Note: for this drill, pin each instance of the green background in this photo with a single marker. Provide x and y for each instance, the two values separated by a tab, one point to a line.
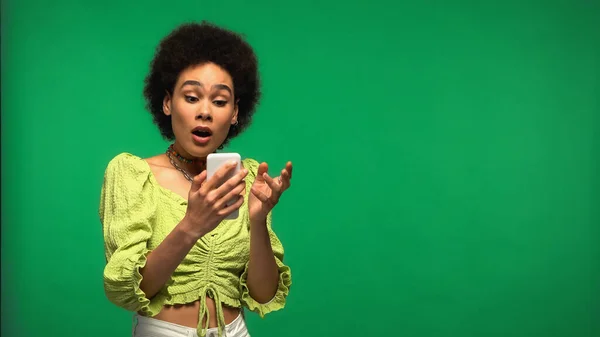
446	160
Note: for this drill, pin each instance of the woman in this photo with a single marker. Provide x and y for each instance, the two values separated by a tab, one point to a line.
172	257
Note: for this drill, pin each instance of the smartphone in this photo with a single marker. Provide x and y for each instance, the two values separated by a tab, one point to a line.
214	162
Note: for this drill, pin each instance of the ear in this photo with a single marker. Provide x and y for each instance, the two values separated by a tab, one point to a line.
167	104
234	118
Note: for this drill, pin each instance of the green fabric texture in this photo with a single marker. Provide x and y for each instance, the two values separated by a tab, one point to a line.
137	214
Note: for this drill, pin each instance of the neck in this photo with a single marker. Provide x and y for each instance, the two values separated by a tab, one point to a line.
197	167
193	165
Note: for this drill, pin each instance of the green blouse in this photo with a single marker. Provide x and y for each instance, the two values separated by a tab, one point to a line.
137	214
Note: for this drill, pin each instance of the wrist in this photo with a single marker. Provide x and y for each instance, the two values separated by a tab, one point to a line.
258	220
189	230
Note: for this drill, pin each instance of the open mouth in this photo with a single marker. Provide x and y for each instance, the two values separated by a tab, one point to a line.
202	132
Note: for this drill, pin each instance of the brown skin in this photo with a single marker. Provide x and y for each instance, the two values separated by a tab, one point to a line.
209	101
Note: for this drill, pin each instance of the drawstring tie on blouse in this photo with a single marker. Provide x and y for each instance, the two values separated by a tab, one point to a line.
204	311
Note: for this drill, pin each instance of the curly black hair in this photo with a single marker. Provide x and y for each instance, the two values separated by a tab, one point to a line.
193	44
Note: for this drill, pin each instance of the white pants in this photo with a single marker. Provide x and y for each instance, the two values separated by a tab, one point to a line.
151	327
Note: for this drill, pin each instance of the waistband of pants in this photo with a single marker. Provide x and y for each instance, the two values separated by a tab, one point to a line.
156	327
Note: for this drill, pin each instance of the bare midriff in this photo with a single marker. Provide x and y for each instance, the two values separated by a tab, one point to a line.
187	314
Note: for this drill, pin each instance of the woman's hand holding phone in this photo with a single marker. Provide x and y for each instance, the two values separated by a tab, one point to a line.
209	199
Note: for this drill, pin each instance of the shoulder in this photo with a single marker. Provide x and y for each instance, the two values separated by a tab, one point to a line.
126	160
127	166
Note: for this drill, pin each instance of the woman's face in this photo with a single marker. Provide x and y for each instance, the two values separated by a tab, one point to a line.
202	109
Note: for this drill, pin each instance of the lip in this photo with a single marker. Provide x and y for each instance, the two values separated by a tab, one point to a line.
202	128
200	140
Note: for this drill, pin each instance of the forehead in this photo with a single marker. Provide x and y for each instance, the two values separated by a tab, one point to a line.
208	73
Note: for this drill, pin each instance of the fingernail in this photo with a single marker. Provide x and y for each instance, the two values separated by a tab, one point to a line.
232	164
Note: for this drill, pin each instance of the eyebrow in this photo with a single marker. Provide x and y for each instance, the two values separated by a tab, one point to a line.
198	84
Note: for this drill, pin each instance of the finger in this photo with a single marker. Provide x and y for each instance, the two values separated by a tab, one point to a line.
262	169
234	194
222	174
275	186
289	167
260	195
229	209
231	183
197	182
285	180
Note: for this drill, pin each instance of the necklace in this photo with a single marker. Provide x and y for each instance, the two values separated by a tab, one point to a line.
171	152
177	167
181	158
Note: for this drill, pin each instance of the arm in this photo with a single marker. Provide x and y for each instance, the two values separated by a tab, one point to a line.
266	280
162	261
127	211
144	272
263	272
274	298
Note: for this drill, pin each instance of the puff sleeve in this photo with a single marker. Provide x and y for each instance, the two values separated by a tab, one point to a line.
285	277
127	210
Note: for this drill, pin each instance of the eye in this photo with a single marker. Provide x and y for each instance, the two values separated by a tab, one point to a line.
191	99
220	103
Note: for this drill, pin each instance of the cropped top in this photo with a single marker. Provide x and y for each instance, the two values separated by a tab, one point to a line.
137	214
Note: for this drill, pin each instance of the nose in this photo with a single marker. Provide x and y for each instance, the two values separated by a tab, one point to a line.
204	112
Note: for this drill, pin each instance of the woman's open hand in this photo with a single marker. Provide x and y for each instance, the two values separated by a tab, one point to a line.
267	191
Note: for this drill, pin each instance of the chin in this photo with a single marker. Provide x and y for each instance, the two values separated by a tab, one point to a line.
201	151
202	148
